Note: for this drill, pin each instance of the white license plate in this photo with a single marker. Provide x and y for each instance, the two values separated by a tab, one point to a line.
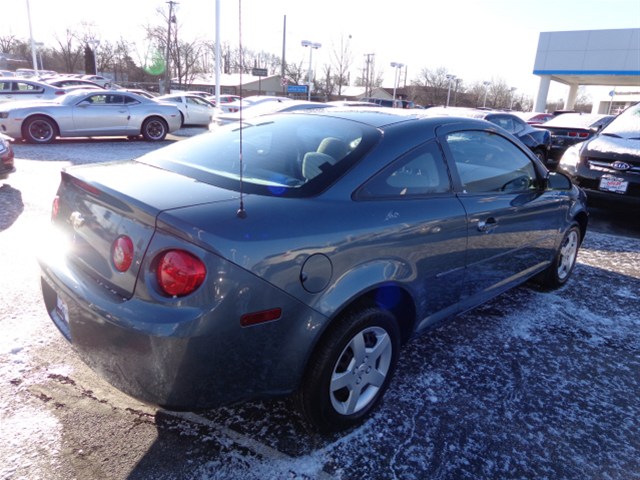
62	310
613	184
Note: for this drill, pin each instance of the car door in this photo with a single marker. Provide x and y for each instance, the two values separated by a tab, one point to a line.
425	227
101	114
512	223
199	111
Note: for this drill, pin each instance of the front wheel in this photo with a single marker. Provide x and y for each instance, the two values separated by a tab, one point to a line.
564	261
154	129
39	130
350	370
541	154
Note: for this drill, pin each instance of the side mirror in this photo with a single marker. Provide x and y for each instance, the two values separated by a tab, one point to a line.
558	181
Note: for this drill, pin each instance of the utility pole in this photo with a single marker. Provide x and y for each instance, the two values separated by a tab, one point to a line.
368	73
171	19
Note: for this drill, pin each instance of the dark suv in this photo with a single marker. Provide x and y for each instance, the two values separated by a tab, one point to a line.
607	166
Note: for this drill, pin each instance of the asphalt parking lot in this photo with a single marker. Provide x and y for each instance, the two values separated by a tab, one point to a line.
530	385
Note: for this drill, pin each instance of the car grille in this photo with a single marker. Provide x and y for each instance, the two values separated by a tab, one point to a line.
606	166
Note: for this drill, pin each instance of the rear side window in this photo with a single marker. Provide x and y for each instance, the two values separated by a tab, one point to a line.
420	172
488	163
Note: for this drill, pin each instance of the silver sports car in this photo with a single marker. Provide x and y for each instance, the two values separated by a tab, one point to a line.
89	114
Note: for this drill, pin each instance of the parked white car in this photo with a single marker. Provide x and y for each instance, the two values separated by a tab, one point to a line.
194	109
16	89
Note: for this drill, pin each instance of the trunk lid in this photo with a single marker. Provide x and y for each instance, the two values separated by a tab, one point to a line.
99	203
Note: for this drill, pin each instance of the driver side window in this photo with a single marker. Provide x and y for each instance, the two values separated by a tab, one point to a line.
487	162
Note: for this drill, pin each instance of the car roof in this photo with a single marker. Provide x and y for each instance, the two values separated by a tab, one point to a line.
584	120
382	117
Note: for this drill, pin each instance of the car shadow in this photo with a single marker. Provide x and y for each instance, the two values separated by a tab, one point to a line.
11	205
486	395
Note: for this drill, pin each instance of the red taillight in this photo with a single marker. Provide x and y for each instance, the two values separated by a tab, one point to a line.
583	135
122	253
179	273
60	92
55	208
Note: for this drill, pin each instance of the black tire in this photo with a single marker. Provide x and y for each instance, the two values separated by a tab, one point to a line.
181	120
154	129
39	130
350	370
557	274
542	156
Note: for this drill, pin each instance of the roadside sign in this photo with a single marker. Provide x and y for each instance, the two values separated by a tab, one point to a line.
297	88
259	72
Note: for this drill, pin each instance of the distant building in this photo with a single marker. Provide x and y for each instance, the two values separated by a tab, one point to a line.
587	57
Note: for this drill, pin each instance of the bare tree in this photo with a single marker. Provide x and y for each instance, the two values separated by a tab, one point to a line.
69	53
342	60
294	72
435	86
7	43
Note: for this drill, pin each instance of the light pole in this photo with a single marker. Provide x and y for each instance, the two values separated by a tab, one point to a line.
486	90
33	44
94	44
450	77
39	46
455	92
512	89
397	67
312	46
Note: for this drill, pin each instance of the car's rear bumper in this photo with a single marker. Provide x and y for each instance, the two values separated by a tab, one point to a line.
179	356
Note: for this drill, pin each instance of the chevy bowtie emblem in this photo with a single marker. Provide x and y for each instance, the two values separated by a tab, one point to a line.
77	220
621	166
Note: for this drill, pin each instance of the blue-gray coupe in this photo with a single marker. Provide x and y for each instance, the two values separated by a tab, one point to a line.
294	254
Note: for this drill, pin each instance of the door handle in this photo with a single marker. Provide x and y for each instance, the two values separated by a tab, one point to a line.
487	225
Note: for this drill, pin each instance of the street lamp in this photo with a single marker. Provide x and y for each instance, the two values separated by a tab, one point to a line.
397	66
312	45
450	77
486	90
94	43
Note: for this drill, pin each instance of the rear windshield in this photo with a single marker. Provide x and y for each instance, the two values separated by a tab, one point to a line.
284	155
626	125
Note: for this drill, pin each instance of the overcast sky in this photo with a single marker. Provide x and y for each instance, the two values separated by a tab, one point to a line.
475	40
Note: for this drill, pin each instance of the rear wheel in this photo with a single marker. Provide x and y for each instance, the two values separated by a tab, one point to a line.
154	129
39	130
350	369
564	262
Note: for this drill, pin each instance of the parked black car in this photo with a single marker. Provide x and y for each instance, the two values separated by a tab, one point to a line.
571	128
538	141
607	166
6	157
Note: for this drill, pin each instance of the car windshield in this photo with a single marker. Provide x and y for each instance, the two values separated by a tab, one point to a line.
282	155
626	125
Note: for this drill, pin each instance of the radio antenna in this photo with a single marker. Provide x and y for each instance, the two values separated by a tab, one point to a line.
241	213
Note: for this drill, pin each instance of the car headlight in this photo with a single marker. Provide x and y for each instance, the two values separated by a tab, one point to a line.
570	159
